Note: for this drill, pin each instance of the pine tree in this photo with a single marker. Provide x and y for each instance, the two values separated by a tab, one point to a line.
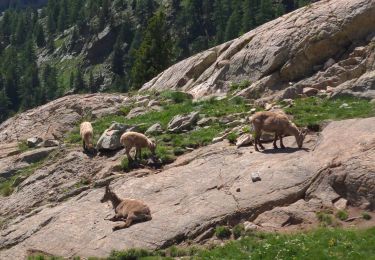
39	36
154	54
63	16
79	83
117	63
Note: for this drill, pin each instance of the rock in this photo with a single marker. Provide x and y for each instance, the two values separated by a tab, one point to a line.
253	110
292	47
206	121
234	123
137	111
341	204
155	129
60	116
153	103
255	177
329	63
33	141
50	143
249	226
363	87
345	105
110	139
268	107
310	91
243	140
36	155
189	196
330	89
183	122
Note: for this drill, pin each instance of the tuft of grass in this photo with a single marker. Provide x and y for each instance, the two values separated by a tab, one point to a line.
239	86
238	230
222	232
324	218
342	215
366	216
131	254
176	96
22	146
313	110
8	185
232	137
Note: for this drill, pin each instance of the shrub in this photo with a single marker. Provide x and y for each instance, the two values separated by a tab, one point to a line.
222	232
232	138
125	164
131	254
342	215
324	218
176	96
238	230
366	216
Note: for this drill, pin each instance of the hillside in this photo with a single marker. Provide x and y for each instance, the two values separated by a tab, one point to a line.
93	46
206	181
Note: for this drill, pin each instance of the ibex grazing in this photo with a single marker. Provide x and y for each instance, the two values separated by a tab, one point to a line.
277	123
126	210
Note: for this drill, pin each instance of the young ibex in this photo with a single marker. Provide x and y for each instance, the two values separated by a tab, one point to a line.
137	140
87	133
277	123
126	210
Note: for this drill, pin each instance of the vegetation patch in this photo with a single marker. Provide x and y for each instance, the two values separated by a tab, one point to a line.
366	216
222	232
342	215
239	86
313	110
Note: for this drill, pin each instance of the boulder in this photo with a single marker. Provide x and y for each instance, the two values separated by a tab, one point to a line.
110	139
137	111
33	141
244	140
329	63
341	204
36	155
206	121
310	91
155	129
50	143
183	122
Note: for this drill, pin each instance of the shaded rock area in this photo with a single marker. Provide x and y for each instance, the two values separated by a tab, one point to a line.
57	209
325	44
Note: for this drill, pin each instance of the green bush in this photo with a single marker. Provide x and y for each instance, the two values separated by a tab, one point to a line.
176	96
342	215
232	137
238	230
131	254
366	216
222	232
324	218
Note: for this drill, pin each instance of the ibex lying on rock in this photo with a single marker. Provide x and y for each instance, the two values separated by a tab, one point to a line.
87	133
137	140
277	123
127	210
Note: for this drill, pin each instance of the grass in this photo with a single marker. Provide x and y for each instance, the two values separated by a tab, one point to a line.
232	137
238	230
342	215
222	232
323	243
169	144
22	146
8	185
324	218
239	86
314	110
366	216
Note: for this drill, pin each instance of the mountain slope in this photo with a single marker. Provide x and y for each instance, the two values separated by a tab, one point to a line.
283	52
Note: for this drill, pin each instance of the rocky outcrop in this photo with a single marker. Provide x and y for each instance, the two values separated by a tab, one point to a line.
209	186
54	119
323	44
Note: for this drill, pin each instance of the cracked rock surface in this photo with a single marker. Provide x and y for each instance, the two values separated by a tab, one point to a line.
209	186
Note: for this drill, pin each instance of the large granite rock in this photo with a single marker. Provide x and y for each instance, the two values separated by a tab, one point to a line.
198	191
288	49
110	139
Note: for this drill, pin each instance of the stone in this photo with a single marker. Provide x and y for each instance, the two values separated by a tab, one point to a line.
330	89
249	226
155	129
310	91
36	155
110	139
33	141
137	111
329	63
180	123
153	103
50	143
255	177
268	106
345	105
253	110
206	121
244	140
341	204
